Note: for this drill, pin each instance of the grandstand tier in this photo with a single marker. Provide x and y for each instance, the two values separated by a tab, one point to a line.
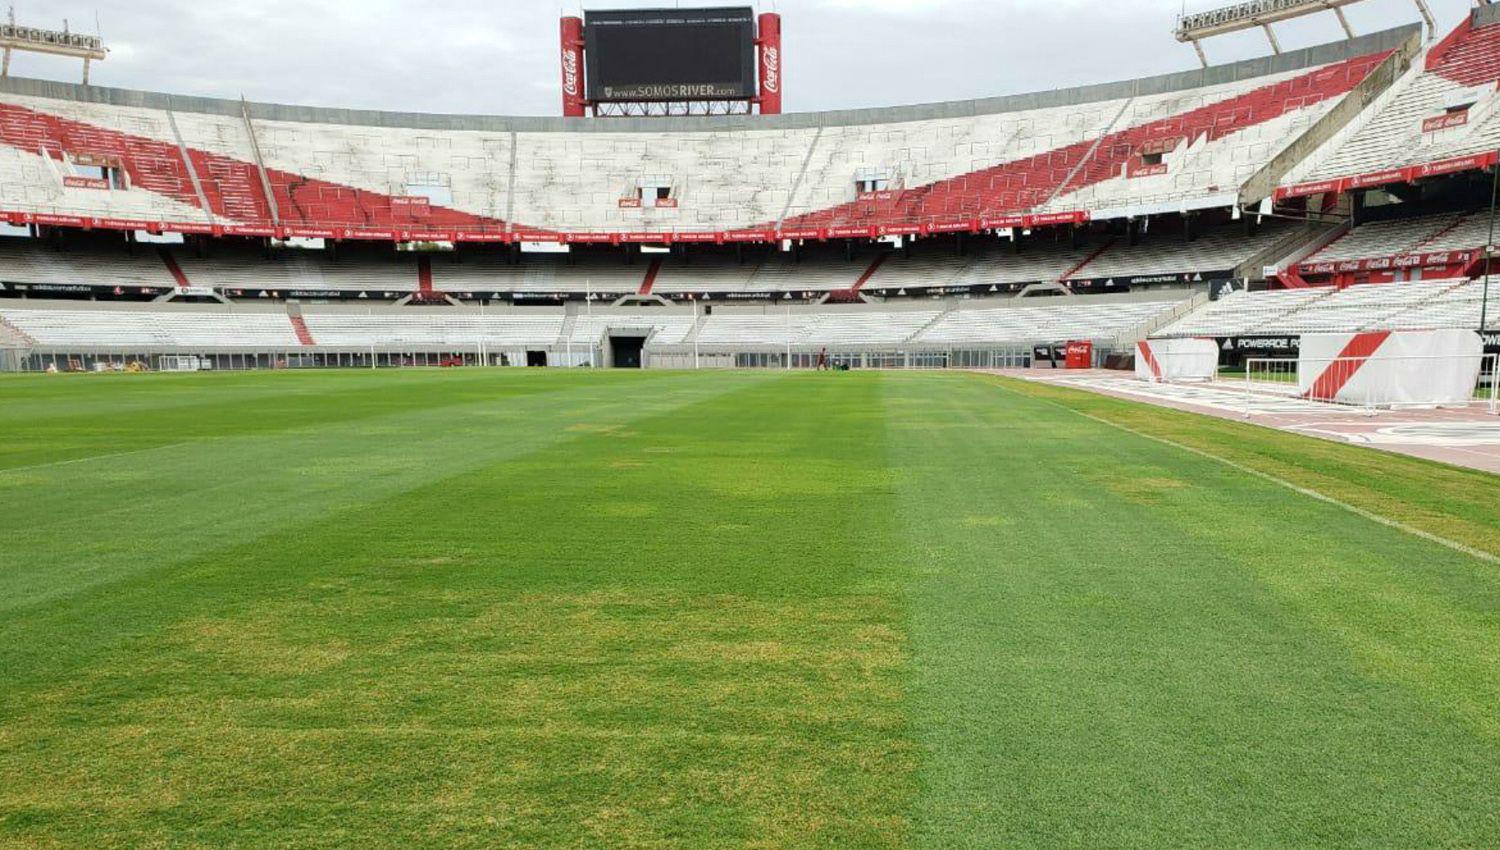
52	327
1093	258
100	158
1441	116
1434	247
1412	306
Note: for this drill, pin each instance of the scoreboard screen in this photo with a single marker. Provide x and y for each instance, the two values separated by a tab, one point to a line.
670	54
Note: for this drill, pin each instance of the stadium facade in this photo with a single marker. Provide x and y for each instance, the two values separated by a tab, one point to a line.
1237	201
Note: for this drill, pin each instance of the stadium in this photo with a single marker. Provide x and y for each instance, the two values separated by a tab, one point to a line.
1114	465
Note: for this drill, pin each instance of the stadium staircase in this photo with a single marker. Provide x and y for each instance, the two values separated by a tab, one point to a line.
1452	226
697	329
424	278
851	295
299	327
13	337
1157	322
933	322
650	279
299	324
1301	250
565	335
1094	255
172	267
1302	307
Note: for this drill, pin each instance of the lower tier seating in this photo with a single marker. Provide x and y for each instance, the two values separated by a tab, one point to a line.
68	326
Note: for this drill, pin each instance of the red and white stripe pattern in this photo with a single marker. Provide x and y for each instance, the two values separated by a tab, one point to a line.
1341	370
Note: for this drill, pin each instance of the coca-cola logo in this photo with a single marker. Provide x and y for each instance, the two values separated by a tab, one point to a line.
570	72
771	60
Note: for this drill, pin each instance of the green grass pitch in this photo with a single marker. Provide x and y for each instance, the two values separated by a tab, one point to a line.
753	610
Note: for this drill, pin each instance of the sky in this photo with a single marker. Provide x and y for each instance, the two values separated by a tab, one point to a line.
501	56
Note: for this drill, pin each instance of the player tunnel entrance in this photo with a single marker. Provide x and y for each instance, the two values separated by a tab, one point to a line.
626	351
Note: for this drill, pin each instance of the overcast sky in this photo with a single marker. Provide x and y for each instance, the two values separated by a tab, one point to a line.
500	56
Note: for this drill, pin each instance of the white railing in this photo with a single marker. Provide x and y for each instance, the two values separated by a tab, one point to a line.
1396	382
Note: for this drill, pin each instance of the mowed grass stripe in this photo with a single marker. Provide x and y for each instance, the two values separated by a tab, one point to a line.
669	630
50	418
1117	643
73	526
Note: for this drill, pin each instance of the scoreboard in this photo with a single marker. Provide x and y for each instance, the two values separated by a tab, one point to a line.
646	56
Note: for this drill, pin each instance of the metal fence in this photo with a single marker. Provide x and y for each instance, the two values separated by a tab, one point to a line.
177	360
1391	383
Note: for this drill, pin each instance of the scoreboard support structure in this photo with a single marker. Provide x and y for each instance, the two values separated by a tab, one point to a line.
767	99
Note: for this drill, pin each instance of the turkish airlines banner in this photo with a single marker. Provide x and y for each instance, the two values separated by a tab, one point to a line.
1388	368
1409	174
1160	360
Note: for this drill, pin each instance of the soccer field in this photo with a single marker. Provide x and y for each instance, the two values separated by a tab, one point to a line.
668	610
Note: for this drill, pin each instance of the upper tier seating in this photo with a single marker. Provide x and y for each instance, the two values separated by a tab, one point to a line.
944	166
1461	69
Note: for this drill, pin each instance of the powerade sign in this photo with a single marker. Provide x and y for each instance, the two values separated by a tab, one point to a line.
1261	345
1237	349
1491	341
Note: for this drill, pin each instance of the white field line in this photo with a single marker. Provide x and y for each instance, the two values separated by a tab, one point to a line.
90	458
1487	557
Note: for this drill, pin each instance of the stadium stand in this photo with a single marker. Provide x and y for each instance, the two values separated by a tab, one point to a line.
55	327
85	329
237	267
1224	249
1421	305
936	214
1185	141
28	261
431	331
1447	232
1442	111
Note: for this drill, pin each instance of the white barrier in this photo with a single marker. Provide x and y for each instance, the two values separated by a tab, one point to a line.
1389	369
1383	370
1167	360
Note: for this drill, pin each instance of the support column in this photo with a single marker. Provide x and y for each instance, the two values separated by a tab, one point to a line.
1271	36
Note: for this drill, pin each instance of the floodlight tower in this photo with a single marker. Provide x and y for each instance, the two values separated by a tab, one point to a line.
89	48
1192	29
